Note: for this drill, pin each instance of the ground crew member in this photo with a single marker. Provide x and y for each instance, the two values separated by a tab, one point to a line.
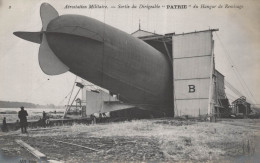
4	127
44	117
22	114
93	119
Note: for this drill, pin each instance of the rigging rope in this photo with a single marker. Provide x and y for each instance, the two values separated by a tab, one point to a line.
232	88
65	97
237	74
70	97
233	98
72	89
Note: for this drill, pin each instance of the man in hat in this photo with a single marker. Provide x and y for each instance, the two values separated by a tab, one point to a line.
22	114
4	126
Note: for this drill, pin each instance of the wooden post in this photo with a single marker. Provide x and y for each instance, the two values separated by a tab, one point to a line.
33	151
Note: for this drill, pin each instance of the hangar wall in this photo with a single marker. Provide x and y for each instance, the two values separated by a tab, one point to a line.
193	72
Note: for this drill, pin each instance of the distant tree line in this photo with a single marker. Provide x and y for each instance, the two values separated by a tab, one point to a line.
11	104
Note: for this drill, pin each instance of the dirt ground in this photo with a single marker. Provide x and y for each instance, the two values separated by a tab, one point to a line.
159	140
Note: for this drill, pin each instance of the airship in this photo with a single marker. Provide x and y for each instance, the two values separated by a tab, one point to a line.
104	56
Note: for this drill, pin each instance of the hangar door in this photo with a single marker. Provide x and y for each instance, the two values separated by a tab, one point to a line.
193	71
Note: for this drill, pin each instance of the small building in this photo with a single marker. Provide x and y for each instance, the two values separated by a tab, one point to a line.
240	107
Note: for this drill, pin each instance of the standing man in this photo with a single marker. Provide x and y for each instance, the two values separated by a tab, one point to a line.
43	115
4	127
22	114
44	118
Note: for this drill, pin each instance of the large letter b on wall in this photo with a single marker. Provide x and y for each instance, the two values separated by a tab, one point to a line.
191	88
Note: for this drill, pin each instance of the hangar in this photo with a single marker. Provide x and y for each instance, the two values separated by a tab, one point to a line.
199	88
195	49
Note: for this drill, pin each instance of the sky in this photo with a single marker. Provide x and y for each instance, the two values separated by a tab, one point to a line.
236	43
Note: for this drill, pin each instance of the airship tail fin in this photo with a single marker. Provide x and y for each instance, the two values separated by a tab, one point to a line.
30	36
47	13
49	62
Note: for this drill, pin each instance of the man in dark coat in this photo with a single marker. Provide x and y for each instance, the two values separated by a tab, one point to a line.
4	127
22	114
44	117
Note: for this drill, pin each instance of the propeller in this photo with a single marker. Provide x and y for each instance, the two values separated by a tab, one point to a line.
49	62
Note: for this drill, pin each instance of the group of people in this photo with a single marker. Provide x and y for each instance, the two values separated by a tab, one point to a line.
22	115
44	121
